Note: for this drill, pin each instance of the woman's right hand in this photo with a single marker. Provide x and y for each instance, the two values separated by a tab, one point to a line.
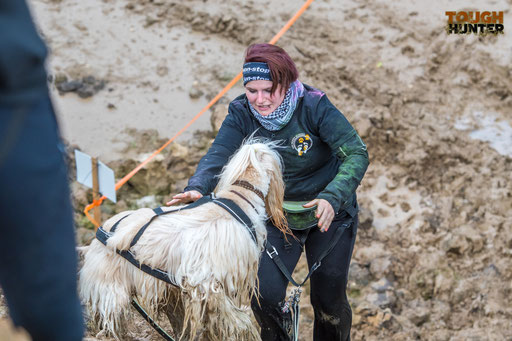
184	198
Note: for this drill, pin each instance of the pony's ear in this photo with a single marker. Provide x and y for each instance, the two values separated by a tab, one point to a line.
274	200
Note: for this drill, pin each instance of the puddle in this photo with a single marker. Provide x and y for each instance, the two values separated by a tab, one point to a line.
394	205
488	128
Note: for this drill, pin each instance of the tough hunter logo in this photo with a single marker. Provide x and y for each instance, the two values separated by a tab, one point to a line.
483	23
302	143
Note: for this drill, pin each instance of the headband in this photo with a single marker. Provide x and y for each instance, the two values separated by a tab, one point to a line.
256	71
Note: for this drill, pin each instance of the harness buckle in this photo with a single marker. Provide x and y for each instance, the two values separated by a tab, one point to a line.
273	253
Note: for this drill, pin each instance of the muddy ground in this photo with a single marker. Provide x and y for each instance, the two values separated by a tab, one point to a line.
433	255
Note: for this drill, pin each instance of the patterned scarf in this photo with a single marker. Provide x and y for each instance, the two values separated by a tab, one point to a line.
283	113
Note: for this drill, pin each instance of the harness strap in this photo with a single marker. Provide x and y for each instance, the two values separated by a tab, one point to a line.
158	212
274	255
103	236
238	214
249	186
114	227
244	198
151	322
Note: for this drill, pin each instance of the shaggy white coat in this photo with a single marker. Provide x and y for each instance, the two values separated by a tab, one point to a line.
209	254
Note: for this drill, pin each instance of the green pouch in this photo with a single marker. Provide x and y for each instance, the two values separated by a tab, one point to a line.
298	217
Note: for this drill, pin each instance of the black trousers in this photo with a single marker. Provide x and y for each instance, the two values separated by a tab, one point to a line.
38	262
333	316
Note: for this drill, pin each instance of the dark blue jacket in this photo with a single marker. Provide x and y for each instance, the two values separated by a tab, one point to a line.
323	155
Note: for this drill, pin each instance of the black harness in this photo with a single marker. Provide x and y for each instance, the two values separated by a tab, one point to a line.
103	236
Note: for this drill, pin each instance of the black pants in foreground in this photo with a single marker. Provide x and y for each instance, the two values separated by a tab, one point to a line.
38	262
333	316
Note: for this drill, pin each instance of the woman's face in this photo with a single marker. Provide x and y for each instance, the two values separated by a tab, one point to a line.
258	94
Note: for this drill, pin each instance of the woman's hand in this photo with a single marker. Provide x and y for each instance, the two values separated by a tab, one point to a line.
185	197
324	213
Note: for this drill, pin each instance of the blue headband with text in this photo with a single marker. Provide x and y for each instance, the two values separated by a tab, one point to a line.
254	71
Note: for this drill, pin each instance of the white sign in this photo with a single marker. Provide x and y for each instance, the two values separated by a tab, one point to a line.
106	178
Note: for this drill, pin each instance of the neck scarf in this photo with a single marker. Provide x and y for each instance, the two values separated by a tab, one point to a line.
283	113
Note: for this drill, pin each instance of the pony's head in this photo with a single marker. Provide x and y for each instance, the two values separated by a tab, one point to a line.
258	162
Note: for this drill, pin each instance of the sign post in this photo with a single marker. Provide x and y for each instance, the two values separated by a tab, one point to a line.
96	175
96	189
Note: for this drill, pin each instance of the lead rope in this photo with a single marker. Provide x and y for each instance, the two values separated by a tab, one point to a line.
151	322
292	305
295	296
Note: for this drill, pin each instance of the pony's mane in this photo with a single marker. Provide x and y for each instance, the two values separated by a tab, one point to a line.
246	155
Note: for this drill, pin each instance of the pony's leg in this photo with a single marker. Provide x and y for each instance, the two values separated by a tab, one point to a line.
175	312
105	286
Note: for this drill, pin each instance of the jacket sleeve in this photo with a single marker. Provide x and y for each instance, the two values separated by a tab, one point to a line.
345	143
22	56
228	140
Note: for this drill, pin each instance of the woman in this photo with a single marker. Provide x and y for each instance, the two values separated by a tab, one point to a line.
324	162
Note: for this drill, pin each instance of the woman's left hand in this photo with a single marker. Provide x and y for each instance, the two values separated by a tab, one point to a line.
324	213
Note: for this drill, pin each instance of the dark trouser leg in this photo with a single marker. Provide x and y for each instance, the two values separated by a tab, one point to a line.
333	316
37	247
272	285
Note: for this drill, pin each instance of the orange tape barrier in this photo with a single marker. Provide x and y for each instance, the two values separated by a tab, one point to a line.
121	182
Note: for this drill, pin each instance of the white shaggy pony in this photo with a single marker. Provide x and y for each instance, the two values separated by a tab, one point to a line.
210	256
